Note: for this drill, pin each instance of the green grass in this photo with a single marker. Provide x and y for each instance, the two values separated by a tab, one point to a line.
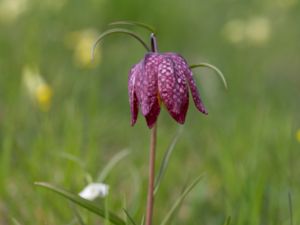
246	146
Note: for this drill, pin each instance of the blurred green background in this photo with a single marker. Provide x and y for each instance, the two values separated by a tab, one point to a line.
55	106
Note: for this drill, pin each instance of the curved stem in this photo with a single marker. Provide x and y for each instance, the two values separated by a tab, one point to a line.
150	197
153	43
117	30
213	68
133	23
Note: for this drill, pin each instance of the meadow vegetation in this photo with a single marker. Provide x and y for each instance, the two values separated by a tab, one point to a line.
63	117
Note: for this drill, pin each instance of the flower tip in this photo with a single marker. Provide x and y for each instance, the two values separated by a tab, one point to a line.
132	123
179	118
201	108
150	123
181	121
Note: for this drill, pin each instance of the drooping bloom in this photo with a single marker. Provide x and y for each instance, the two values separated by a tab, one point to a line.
162	78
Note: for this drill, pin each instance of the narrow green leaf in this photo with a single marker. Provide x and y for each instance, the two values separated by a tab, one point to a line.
143	220
15	221
133	23
111	164
78	161
106	222
180	199
129	217
114	31
228	220
77	215
165	161
124	207
91	206
213	68
291	208
72	158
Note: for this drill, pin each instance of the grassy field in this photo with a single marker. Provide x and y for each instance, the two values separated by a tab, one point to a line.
62	118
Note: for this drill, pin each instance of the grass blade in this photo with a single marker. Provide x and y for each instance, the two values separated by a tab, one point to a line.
228	220
77	215
180	199
143	220
134	23
15	221
291	209
129	217
165	161
213	68
92	207
106	222
72	158
111	164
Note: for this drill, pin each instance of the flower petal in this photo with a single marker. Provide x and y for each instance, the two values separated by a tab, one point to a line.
173	89
133	101
195	93
146	83
151	117
179	60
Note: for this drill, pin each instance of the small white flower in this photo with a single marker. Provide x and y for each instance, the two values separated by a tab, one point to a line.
94	190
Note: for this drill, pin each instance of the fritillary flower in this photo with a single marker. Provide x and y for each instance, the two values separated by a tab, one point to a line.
162	78
159	79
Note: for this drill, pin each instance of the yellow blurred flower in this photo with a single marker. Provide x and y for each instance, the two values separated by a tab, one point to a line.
44	95
258	30
255	31
81	42
39	91
298	135
10	10
285	4
234	31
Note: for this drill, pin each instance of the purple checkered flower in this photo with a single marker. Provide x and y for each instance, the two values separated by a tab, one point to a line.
159	79
162	78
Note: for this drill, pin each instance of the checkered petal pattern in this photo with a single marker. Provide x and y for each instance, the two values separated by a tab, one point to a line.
162	78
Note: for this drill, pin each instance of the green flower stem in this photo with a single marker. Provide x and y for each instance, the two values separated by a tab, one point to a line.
153	43
150	198
133	23
207	65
